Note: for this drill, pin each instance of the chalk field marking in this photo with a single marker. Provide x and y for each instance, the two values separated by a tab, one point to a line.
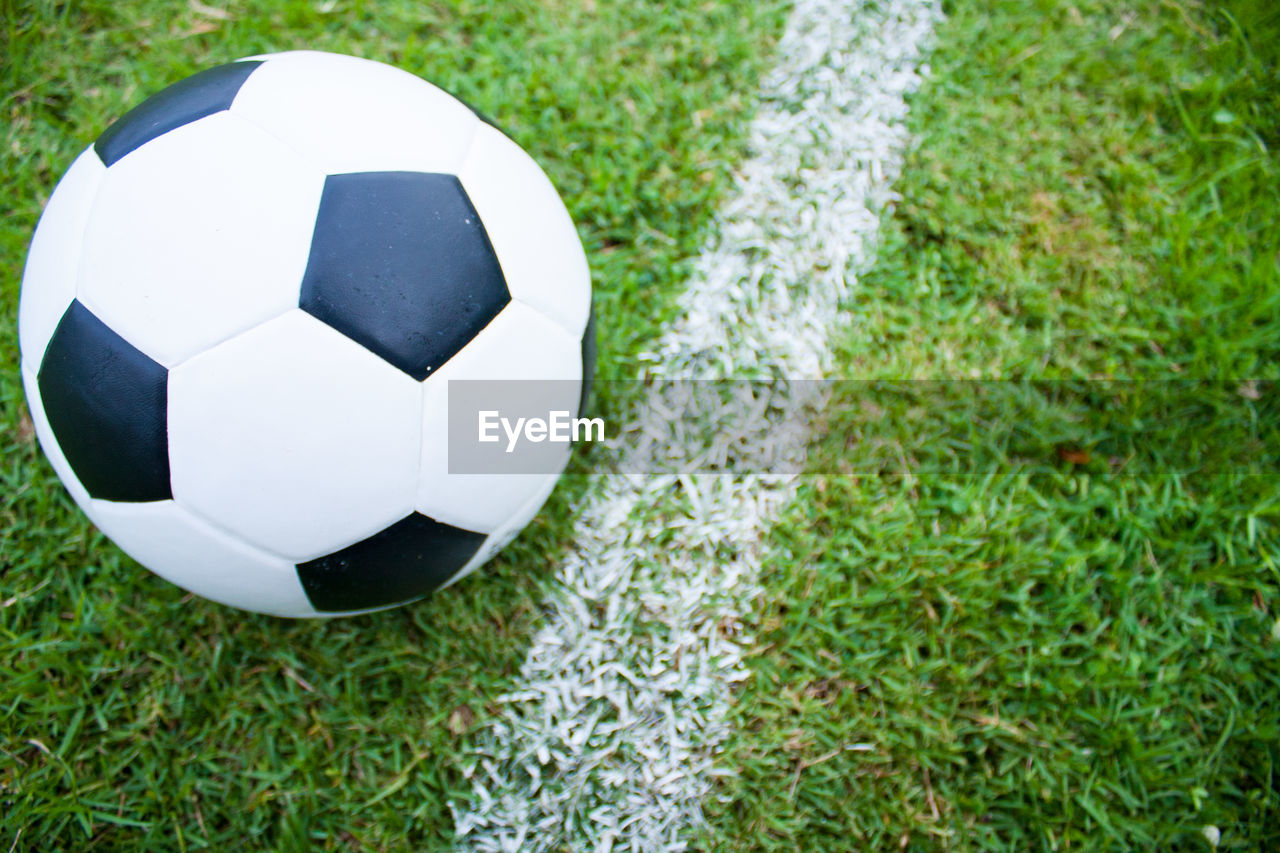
610	740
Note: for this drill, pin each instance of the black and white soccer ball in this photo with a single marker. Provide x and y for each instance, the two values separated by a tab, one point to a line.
240	311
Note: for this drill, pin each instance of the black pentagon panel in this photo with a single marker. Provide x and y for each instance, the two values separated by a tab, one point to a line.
588	359
107	404
401	264
405	561
197	96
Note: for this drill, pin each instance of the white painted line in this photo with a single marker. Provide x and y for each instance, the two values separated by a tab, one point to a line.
610	740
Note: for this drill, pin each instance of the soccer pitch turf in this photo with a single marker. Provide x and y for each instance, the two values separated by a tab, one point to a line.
955	643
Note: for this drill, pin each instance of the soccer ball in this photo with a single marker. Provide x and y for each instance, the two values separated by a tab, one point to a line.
242	307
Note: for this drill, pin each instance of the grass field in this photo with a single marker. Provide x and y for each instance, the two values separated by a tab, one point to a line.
969	643
962	645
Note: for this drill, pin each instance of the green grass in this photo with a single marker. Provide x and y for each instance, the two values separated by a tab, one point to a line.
133	716
973	636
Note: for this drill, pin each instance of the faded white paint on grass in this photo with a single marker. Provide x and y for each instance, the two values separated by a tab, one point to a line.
611	739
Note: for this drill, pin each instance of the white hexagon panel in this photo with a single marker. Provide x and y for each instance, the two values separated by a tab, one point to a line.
353	115
294	437
508	530
197	556
530	229
53	264
199	234
520	345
